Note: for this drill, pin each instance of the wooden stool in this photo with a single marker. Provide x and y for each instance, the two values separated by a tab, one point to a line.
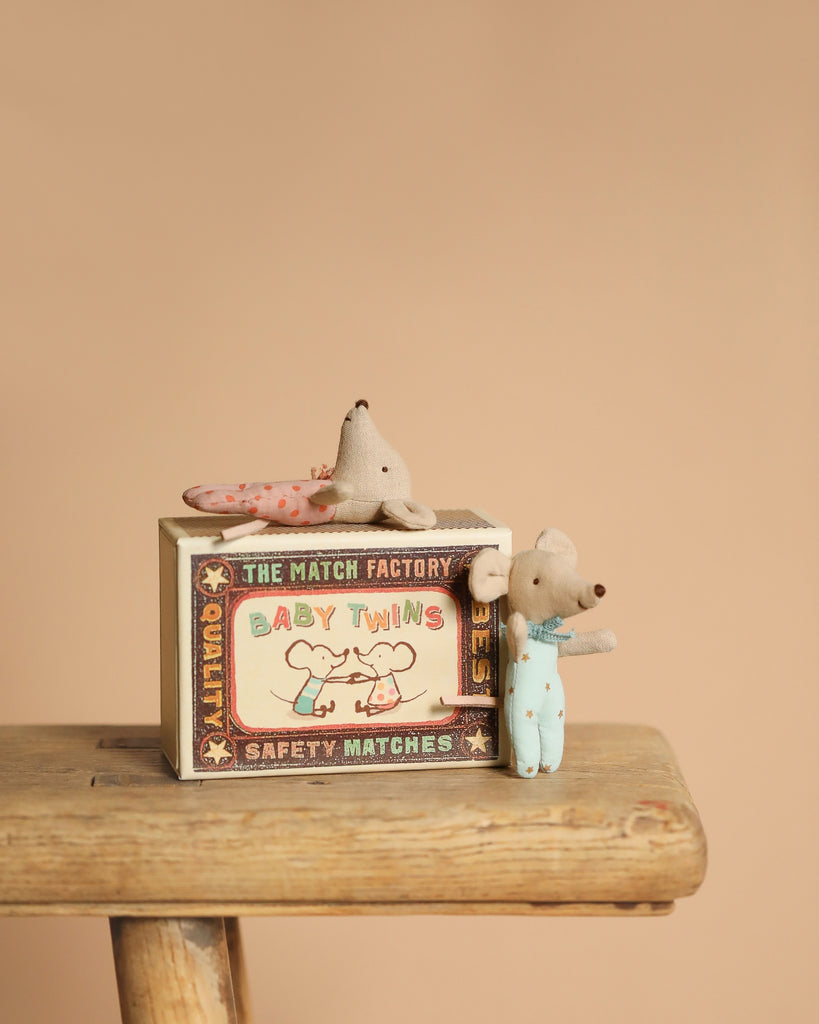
95	822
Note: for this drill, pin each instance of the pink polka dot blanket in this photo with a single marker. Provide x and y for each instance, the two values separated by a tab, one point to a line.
288	502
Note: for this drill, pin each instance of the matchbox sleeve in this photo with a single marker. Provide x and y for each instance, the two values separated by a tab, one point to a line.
326	649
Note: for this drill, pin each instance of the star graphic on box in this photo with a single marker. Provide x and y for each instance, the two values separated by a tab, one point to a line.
477	742
214	577
218	749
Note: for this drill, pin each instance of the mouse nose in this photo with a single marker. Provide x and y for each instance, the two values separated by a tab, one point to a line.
599	589
364	402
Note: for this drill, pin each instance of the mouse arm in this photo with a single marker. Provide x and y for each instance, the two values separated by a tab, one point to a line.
596	641
412	515
517	632
333	493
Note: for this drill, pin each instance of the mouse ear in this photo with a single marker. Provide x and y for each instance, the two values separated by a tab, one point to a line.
557	543
489	575
298	654
403	656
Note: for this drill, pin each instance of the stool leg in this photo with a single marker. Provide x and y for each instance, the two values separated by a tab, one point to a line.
237	971
173	970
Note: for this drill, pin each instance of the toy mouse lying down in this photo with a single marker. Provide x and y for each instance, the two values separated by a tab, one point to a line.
370	483
543	588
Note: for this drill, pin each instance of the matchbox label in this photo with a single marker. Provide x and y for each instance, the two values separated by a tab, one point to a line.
339	659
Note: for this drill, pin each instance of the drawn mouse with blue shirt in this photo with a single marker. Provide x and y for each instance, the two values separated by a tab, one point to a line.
543	588
319	662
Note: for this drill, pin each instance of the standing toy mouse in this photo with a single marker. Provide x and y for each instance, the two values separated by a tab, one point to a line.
543	588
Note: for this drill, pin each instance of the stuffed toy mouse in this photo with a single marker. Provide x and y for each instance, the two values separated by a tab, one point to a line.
370	483
542	588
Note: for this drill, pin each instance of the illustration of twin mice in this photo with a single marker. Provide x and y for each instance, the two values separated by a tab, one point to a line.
377	666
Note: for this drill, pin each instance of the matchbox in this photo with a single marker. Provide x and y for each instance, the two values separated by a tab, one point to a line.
326	649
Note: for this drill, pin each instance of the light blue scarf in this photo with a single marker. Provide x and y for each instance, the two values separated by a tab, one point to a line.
545	632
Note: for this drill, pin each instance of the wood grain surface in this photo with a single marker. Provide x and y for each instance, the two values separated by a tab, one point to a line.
94	821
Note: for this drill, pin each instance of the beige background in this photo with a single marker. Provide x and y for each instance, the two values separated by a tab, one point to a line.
568	251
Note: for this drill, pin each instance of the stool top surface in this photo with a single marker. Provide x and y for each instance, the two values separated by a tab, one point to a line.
94	820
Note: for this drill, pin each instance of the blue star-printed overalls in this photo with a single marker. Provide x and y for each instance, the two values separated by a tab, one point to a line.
534	703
